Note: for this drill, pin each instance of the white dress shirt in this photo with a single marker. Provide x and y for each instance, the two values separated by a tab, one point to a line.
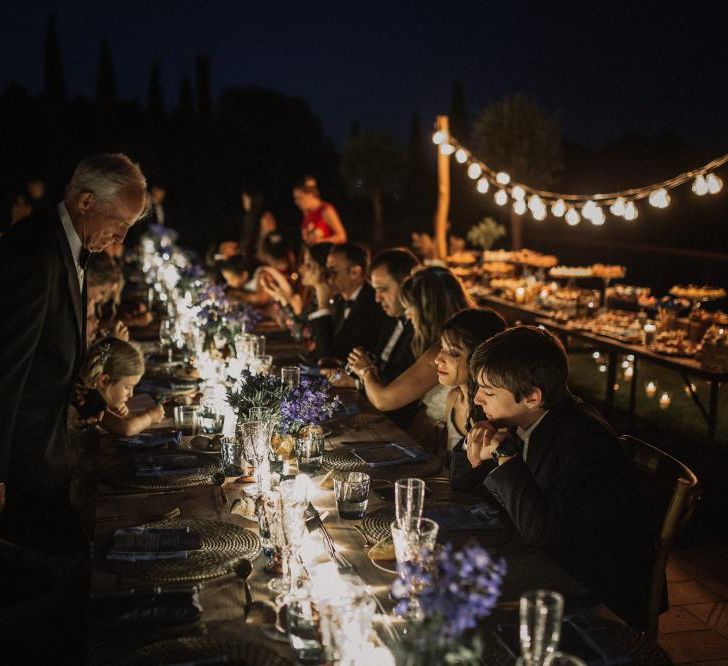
389	347
525	435
74	241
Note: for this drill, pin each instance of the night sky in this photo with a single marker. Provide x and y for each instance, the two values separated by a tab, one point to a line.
606	67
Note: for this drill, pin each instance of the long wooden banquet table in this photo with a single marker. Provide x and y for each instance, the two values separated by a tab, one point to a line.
224	598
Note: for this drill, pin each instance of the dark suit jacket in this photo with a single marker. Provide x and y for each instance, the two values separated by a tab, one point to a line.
42	326
399	360
336	337
576	497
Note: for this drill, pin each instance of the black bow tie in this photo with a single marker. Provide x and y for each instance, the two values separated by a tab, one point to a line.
84	258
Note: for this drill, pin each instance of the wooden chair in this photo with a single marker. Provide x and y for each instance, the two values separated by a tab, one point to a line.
672	491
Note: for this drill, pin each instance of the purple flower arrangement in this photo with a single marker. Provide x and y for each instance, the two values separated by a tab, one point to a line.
309	403
255	390
454	589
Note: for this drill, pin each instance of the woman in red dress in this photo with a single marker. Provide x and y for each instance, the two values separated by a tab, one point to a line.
320	221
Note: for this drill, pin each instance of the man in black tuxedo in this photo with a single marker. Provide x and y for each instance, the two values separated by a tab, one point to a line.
42	341
562	474
353	319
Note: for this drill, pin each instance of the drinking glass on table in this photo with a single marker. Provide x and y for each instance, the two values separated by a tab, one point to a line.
413	539
352	495
263	364
310	452
186	418
303	629
291	376
409	499
540	626
167	335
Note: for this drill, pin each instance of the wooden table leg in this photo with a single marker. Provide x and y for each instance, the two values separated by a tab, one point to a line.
611	380
633	391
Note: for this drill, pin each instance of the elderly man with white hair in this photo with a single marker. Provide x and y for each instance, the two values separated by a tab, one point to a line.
42	342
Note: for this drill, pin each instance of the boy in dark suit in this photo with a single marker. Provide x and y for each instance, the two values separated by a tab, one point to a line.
562	474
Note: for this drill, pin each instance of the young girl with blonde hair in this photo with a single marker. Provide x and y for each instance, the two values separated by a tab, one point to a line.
113	368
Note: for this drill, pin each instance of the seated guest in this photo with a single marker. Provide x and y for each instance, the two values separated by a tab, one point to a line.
461	334
566	481
113	368
104	283
430	296
354	319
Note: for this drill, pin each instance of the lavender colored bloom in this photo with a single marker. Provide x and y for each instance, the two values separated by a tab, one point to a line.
454	589
311	402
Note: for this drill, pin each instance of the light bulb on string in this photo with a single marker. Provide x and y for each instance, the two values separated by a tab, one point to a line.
474	171
630	211
587	209
558	208
618	207
483	185
539	212
447	149
501	197
534	202
659	198
597	216
439	137
519	207
572	216
502	178
461	155
715	184
518	193
700	185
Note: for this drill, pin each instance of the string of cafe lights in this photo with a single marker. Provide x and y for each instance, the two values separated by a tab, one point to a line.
574	207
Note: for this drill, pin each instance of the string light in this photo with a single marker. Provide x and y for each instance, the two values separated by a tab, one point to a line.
591	207
630	211
597	216
474	171
618	207
715	184
700	185
572	216
659	198
519	207
558	208
501	197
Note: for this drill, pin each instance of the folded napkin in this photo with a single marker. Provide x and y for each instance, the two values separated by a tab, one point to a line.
148	440
160	386
134	544
310	370
478	517
385	455
151	607
151	465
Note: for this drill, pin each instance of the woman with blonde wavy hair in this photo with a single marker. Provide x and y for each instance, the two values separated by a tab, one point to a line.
430	296
113	368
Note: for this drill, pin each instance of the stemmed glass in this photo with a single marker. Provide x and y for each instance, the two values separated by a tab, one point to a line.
293	506
409	499
167	336
255	439
540	626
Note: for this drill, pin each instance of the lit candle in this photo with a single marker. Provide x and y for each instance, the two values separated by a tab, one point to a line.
520	295
665	400
651	389
628	372
648	334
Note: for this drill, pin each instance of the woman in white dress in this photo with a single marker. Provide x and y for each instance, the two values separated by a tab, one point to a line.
430	296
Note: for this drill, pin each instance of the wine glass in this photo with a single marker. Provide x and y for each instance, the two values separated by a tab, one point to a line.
167	336
540	626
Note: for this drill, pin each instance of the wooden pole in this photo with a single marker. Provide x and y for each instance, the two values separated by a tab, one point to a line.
443	193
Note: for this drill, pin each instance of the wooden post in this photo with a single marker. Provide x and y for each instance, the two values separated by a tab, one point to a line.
443	193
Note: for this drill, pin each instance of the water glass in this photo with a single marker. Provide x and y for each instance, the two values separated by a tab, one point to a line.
409	499
291	376
263	364
540	626
186	419
412	537
310	452
231	451
210	419
303	630
352	495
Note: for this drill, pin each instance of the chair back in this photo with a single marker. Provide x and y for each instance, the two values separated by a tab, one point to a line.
672	491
